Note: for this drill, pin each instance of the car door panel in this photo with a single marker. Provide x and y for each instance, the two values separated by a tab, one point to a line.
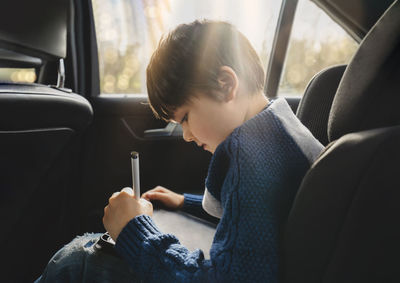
118	128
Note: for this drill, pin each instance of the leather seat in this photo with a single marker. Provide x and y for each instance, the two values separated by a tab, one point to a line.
343	226
40	130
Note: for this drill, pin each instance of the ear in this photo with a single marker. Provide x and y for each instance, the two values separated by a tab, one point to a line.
228	82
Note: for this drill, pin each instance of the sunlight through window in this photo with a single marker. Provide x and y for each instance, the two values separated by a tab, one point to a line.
128	31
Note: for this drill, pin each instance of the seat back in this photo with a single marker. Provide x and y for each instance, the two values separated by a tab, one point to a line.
41	130
40	143
343	224
316	103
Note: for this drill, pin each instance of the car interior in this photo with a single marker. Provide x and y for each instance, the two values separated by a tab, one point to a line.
64	147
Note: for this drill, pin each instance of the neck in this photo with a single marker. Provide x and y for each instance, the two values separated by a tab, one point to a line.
256	103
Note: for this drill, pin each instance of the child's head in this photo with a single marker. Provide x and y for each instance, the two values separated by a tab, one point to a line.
189	60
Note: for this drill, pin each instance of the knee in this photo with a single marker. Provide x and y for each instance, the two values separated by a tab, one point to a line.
68	263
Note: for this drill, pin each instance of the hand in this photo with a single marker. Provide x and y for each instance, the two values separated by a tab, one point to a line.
123	207
168	198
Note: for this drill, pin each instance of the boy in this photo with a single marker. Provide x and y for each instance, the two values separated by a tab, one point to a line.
207	77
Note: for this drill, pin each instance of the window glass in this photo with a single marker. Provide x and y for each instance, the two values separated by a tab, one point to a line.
17	75
129	30
316	42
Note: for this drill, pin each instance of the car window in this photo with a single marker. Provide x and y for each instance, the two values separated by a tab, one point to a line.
128	31
316	42
18	75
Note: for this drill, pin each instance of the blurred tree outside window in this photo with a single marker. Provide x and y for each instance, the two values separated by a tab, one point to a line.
16	75
316	42
128	31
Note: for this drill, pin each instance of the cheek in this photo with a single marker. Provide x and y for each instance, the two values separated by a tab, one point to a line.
209	132
201	131
200	127
209	127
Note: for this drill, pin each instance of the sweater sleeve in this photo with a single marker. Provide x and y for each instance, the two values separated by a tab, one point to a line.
193	205
241	250
159	257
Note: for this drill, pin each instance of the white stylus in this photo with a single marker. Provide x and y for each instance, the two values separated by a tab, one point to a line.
135	174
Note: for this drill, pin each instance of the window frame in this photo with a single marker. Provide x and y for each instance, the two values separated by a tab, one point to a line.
279	47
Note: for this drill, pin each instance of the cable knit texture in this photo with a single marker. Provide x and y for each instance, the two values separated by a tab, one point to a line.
255	174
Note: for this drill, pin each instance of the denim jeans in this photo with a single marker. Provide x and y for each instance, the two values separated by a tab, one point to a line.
81	261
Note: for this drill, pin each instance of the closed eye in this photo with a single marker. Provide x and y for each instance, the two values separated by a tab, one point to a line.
184	119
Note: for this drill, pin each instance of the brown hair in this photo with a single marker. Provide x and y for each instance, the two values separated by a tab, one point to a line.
189	59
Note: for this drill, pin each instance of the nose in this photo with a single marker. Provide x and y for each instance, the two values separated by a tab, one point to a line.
187	134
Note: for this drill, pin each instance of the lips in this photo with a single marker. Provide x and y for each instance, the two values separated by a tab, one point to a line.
202	145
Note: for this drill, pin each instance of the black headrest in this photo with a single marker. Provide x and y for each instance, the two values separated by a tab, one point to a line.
368	96
35	27
316	103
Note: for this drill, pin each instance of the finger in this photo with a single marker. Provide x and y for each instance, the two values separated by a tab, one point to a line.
113	196
105	214
127	190
145	196
159	189
155	196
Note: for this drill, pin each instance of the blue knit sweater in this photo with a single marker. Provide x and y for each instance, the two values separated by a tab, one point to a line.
254	174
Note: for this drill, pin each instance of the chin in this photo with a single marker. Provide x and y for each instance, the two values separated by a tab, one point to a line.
209	149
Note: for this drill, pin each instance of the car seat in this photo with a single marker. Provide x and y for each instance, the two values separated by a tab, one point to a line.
343	226
41	128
